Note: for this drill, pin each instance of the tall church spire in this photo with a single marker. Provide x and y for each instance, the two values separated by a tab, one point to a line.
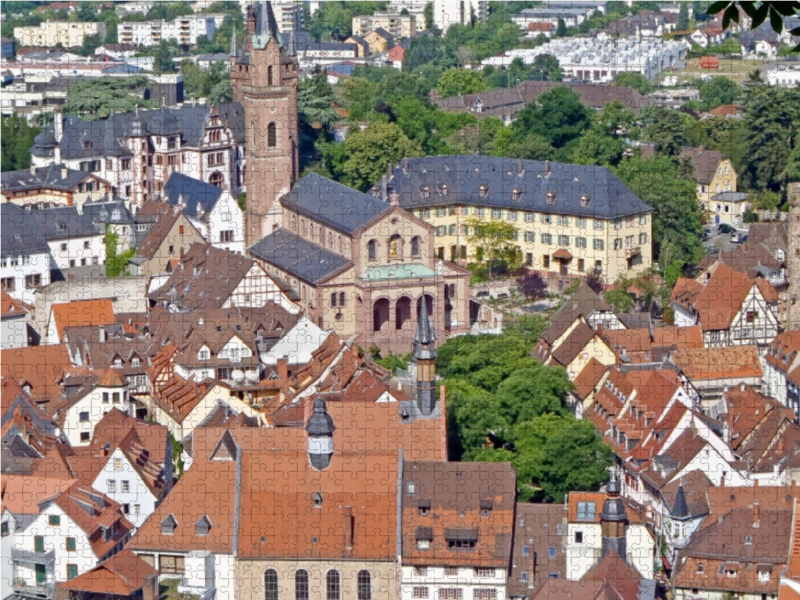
234	49
425	359
266	26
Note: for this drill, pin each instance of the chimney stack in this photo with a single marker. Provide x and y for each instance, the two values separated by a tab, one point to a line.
348	528
283	368
756	513
102	334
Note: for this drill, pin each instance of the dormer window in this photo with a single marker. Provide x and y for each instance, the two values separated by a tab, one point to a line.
411	488
135	361
202	526
483	191
117	362
424	506
551	198
316	499
486	508
424	537
516	194
425	191
168	525
585	201
87	145
445	190
461	539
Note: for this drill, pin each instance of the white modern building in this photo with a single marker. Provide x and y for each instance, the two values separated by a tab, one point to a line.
784	76
184	30
600	59
458	12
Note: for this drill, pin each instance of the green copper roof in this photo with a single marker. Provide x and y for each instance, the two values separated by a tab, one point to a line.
398	271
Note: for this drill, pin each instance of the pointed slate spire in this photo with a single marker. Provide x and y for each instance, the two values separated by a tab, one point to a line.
266	26
425	359
424	336
681	508
292	44
234	50
320	430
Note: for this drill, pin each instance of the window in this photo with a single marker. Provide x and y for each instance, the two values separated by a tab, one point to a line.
484	594
272	135
33	281
115	396
530	236
497	213
551	198
578	537
515	194
562	220
523	576
551	552
301	585
419	592
118	464
333	586
71	546
172	565
483	191
546	261
226	236
415	246
460	544
84	416
112	485
599	244
372	250
364	585
137	509
642	238
563	240
580	242
9	284
546	238
38	543
54	520
451	594
560	529
581	265
445	190
617	243
547	219
484	572
72	571
421	571
529	259
440	212
84	436
135	362
599	225
171	249
451	571
423	544
126	486
126	164
530	217
4	529
585	200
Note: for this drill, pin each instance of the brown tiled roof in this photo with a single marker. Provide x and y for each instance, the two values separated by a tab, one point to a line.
773	235
75	502
705	163
457	494
537	528
589	378
22	495
82	312
166	219
734	362
744	259
205	278
571	347
695	485
41	367
719	300
725	110
120	575
10	307
783	349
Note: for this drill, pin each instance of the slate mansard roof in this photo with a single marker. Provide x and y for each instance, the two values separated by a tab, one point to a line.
534	180
106	137
195	193
334	204
296	255
50	177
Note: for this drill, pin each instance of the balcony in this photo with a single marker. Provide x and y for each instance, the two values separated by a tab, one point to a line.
633	251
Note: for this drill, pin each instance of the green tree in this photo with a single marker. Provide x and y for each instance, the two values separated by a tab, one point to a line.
116	262
163	59
90	44
546	68
775	11
370	150
455	82
561	28
665	129
772	132
677	222
427	14
532	392
316	101
683	17
636	81
100	97
719	91
221	92
495	239
618	296
558	116
16	138
532	285
359	95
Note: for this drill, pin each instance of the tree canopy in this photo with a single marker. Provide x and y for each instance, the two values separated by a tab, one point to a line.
16	138
101	97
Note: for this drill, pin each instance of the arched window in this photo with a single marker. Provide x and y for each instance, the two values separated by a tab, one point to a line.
415	246
333	299
272	135
269	75
330	240
372	250
301	585
271	585
333	586
364	585
341	298
216	179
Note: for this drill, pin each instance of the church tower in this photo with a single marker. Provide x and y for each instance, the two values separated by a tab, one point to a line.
793	257
425	359
264	75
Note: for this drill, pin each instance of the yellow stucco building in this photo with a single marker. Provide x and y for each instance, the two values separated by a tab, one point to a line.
569	219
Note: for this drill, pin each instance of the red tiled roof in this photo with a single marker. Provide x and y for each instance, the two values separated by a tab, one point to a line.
120	575
589	377
734	362
41	367
80	313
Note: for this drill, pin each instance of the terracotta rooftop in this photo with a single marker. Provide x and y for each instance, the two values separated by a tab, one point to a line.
82	312
734	362
121	575
40	368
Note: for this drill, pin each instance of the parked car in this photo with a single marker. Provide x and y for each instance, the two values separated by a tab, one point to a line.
706	234
736	238
725	228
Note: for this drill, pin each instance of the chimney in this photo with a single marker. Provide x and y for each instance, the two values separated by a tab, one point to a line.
389	169
348	528
64	171
106	448
150	587
547	168
520	167
383	189
102	334
283	368
58	126
33	169
405	165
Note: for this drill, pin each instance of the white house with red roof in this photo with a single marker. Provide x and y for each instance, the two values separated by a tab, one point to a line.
782	369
